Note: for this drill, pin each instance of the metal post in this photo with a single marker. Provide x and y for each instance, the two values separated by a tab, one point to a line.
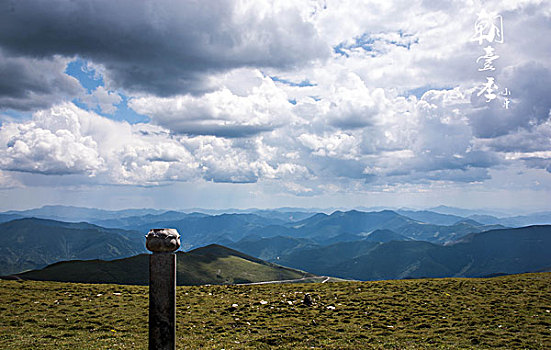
162	288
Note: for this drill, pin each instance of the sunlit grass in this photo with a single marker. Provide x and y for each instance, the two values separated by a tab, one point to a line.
511	312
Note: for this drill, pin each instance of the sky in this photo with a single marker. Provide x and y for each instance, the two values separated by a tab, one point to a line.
241	104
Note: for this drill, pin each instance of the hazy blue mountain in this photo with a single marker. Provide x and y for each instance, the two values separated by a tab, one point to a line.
442	209
213	264
284	216
324	258
375	236
256	210
485	219
143	220
321	228
272	247
482	254
504	251
9	217
442	234
78	214
507	251
324	226
342	237
471	222
31	243
199	230
385	236
400	259
543	218
430	217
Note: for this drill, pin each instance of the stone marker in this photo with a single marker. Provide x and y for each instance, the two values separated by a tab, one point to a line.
162	287
308	301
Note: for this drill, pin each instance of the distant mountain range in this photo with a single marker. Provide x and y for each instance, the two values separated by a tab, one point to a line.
78	214
199	229
349	244
495	217
31	243
505	251
483	254
213	264
441	215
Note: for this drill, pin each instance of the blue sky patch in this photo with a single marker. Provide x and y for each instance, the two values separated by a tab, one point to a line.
88	78
91	80
126	113
371	44
303	83
20	115
420	91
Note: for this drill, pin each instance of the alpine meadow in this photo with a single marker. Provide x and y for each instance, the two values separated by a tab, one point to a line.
275	174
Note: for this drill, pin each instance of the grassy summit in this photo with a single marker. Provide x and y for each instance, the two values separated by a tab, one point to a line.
213	264
506	312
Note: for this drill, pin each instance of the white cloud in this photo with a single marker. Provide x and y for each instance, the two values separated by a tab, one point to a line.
68	140
102	99
221	113
228	160
251	95
338	145
48	145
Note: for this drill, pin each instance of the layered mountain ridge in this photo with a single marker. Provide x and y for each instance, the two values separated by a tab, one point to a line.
351	244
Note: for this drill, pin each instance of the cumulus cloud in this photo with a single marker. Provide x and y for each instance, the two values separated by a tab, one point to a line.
337	145
102	99
48	146
220	113
408	140
240	161
317	97
68	140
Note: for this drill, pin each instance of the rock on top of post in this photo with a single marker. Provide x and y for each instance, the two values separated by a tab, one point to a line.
161	240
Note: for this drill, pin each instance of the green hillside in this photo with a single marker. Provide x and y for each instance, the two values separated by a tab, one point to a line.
213	264
509	312
32	243
506	251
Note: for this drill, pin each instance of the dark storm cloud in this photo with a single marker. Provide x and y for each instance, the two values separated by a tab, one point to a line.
530	103
163	47
27	83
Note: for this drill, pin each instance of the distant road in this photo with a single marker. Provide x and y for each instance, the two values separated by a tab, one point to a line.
297	280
